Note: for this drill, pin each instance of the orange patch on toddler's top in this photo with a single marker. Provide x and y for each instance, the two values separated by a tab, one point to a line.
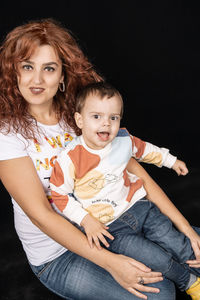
153	158
134	186
126	179
59	200
57	177
83	160
140	145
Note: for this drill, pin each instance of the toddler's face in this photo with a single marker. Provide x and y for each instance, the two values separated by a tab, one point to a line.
99	120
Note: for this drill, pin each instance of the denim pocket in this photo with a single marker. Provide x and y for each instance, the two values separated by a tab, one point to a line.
135	215
130	220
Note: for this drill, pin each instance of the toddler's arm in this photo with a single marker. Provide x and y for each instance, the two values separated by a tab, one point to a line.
95	231
152	154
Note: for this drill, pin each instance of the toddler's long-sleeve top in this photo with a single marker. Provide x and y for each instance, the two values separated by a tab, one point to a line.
85	180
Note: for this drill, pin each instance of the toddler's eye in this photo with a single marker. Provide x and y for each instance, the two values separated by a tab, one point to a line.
96	116
115	118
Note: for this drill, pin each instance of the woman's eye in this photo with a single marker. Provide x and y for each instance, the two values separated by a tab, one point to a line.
27	67
49	69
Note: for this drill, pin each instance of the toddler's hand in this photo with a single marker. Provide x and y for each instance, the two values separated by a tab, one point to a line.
180	167
95	231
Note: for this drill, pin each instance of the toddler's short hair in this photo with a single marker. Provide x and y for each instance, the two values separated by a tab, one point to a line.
101	89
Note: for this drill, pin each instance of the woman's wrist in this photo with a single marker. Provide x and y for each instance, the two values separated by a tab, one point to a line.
105	259
190	233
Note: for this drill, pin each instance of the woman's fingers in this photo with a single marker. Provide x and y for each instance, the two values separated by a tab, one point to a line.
154	279
193	263
139	265
134	279
194	266
196	248
150	276
138	288
147	289
137	293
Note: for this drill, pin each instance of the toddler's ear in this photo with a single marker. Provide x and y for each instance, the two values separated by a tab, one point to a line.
78	119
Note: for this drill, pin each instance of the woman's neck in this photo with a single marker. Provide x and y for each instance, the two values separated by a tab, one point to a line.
46	116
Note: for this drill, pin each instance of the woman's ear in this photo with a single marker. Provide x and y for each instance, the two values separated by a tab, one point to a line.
79	120
62	79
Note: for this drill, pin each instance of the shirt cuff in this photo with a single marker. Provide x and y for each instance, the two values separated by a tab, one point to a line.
170	161
78	217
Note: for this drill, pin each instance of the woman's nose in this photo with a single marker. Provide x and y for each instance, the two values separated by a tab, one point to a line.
37	77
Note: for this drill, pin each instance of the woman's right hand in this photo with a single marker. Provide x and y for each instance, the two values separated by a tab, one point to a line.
128	272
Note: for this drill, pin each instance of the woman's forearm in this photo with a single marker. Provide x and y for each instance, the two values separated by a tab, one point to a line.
66	234
157	196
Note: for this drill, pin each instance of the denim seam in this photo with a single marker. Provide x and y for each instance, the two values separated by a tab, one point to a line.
182	289
44	269
169	267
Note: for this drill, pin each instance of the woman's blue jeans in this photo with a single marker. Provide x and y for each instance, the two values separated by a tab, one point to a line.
75	278
148	236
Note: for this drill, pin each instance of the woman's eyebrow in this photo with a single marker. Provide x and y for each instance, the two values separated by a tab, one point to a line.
51	63
27	61
45	64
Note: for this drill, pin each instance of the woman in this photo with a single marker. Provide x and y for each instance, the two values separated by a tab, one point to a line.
42	69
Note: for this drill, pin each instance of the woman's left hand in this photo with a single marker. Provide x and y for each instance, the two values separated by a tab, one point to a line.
195	243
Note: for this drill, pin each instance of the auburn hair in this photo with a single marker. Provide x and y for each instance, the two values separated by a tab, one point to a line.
18	46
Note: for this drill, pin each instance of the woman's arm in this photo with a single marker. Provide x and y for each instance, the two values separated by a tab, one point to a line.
22	182
157	196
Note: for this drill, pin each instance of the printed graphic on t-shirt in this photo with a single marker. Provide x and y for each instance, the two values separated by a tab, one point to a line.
42	161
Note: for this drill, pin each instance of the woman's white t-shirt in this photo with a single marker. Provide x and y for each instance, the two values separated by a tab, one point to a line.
38	247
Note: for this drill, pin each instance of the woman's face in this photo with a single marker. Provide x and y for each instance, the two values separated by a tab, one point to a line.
39	77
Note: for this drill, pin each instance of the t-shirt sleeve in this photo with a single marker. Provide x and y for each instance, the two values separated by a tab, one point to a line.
11	146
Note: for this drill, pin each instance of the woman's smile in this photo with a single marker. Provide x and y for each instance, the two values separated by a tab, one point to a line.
36	91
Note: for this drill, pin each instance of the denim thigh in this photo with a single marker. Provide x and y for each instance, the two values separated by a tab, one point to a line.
145	218
145	224
158	228
73	277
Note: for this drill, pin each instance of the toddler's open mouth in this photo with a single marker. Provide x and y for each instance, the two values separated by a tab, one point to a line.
103	135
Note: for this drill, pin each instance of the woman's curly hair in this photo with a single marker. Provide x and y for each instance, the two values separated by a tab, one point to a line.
18	46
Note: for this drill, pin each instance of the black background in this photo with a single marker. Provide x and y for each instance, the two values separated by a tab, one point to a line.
149	50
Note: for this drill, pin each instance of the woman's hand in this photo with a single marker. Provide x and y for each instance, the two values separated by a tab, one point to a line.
129	272
195	243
